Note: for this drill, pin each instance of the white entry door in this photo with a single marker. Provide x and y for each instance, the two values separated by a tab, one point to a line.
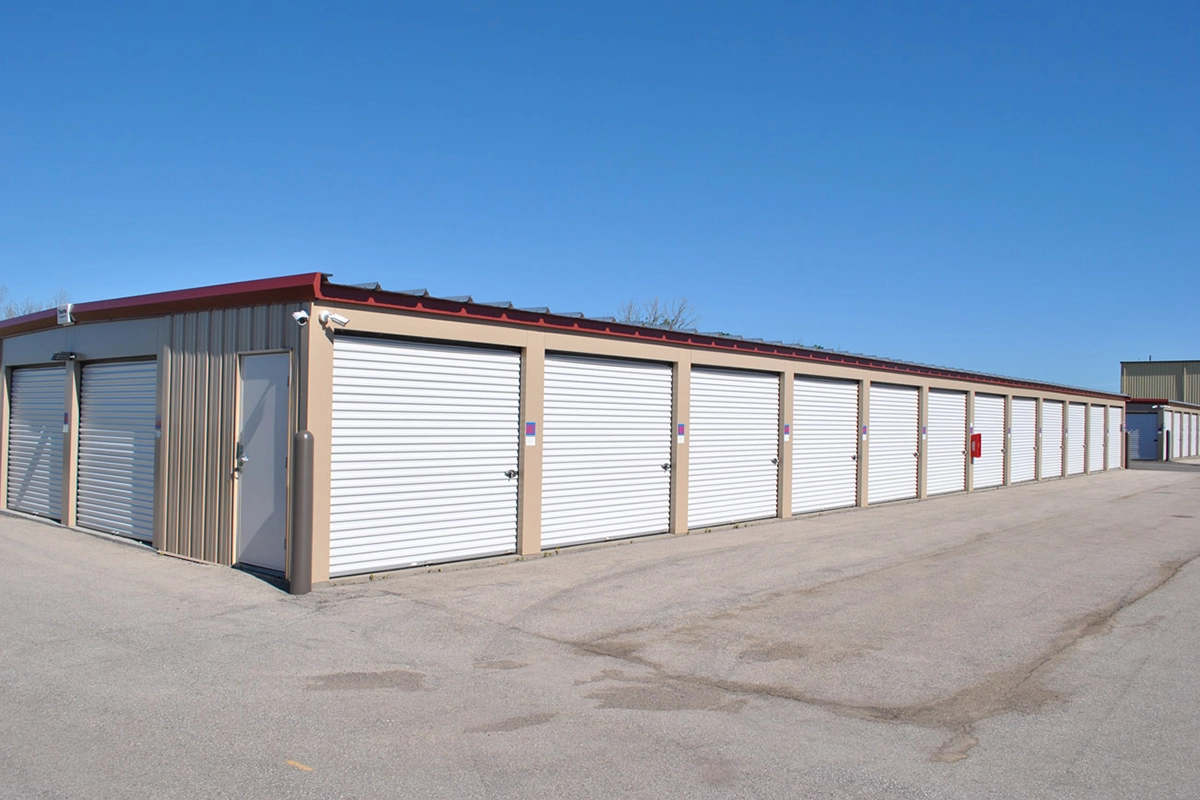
989	423
824	444
946	443
260	460
1022	444
606	449
35	441
1051	444
892	443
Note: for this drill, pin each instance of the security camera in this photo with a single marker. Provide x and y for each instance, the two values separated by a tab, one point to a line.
301	318
337	319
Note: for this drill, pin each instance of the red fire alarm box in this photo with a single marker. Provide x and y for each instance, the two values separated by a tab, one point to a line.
976	445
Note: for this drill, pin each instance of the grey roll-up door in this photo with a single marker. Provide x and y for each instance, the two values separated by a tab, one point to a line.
892	443
1095	445
1113	457
824	444
1022	444
1051	444
606	449
1143	436
733	447
116	448
1076	422
989	422
35	440
946	442
424	453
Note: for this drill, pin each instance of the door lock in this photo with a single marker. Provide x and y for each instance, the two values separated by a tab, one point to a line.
240	459
510	474
667	467
775	461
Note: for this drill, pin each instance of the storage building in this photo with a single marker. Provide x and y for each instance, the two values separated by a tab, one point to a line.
446	429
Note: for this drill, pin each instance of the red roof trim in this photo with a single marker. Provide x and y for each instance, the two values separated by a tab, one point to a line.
448	308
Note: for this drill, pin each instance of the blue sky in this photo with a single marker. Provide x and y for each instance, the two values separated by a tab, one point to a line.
1008	187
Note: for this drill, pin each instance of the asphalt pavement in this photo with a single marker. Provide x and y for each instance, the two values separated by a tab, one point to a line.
1036	641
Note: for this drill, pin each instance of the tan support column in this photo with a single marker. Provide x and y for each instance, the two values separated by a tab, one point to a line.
922	441
784	503
1008	440
529	460
1037	439
70	454
970	433
315	415
864	421
681	403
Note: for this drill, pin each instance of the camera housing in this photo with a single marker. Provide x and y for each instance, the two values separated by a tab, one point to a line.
301	318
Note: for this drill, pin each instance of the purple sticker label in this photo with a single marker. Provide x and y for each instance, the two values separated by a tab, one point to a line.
787	429
531	429
681	428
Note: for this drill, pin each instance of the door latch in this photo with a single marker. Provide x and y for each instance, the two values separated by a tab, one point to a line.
240	459
775	461
510	474
667	467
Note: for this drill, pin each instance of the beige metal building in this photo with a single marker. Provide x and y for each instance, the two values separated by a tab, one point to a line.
1170	380
447	429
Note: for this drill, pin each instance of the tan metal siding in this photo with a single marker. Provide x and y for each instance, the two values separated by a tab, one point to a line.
199	421
1166	380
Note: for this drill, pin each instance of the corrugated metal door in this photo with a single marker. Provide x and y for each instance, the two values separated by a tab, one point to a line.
824	444
1194	432
1095	452
424	453
1177	435
1115	439
606	450
892	444
35	440
733	449
1052	439
1076	423
989	422
1143	436
116	448
1023	442
946	440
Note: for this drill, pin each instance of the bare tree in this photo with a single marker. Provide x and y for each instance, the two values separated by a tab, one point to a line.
674	314
19	308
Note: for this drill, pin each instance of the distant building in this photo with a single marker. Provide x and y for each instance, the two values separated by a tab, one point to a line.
1178	381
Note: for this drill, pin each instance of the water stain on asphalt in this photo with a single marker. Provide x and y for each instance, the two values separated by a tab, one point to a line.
499	664
513	723
403	679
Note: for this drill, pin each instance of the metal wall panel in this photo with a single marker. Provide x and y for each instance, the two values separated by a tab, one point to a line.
423	436
1076	445
115	478
1023	442
200	365
733	447
892	443
946	443
989	422
606	449
1051	443
35	440
1095	445
824	444
1114	455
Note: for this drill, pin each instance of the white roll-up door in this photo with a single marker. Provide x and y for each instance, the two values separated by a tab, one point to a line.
946	442
424	453
989	422
1095	445
1076	444
824	444
1051	453
1022	444
1195	430
35	440
116	448
733	447
1177	435
892	443
1116	441
606	450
